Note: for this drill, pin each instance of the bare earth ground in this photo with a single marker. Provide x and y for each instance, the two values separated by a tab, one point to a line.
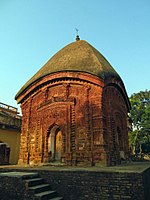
130	167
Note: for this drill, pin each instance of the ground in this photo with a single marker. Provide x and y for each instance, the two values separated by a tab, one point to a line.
125	167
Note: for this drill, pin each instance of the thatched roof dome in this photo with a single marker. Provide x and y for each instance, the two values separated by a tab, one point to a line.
78	56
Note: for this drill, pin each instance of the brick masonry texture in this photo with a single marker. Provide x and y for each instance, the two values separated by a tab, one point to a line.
96	186
91	116
86	185
74	111
12	188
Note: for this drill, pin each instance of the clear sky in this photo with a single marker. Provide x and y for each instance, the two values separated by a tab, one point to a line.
31	31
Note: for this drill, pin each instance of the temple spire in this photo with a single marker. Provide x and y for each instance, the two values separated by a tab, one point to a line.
77	36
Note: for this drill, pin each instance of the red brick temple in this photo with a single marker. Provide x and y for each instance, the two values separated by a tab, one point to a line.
74	110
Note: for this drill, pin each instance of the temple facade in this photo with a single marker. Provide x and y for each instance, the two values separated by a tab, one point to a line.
74	111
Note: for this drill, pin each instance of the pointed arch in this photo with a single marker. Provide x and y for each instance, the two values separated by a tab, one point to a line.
54	143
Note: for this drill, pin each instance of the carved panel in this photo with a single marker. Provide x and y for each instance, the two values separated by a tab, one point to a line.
87	123
115	113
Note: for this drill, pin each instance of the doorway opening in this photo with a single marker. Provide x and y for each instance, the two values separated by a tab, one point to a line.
4	153
54	144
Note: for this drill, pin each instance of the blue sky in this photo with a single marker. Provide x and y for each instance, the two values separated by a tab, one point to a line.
31	31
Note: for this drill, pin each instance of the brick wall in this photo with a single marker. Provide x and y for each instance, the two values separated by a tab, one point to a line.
146	182
87	185
90	115
12	188
95	185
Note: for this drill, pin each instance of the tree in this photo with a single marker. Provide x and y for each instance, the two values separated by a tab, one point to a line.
139	137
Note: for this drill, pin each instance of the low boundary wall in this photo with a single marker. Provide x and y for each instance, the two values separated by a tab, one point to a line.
78	184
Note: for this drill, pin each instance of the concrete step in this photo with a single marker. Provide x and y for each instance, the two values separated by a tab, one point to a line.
45	195
30	176
39	188
34	182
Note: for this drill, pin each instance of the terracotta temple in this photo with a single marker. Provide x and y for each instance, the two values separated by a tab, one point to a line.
74	111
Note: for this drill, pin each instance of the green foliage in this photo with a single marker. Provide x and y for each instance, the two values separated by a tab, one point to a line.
140	115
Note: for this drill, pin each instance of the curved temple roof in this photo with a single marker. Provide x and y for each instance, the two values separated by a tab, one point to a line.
78	56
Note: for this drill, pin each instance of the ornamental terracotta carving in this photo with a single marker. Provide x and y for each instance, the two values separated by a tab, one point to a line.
75	111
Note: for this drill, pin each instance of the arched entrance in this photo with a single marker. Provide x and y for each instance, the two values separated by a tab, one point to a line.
54	144
4	153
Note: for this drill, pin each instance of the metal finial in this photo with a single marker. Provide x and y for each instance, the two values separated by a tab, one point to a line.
77	36
77	30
